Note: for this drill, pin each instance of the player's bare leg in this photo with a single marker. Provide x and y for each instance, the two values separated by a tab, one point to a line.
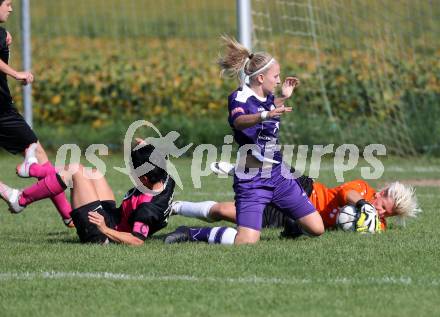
83	188
102	187
41	155
223	211
247	236
312	224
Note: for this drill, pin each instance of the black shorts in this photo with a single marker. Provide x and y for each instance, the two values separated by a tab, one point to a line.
273	217
15	134
88	232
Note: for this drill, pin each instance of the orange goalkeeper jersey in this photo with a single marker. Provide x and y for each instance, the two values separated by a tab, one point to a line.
327	201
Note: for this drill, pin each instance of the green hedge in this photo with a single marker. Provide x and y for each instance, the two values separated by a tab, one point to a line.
92	95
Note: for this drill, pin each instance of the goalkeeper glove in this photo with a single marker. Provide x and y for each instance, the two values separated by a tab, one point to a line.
368	220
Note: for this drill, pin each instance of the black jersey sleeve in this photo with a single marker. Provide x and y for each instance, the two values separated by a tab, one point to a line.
2	38
153	214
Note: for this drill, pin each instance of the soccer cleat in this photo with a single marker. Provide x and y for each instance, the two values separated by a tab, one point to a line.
180	235
222	168
29	159
291	229
69	223
11	196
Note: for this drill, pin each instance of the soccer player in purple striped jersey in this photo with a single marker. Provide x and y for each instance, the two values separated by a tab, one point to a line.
16	136
254	116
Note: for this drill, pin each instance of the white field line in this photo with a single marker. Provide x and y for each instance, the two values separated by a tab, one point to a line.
385	280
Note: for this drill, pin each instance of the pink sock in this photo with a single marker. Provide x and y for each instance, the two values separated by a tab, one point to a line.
62	204
41	170
60	201
49	186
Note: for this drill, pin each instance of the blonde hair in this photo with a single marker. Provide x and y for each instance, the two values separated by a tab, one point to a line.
405	200
238	58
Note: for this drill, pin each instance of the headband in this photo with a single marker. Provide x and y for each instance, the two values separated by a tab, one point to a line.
262	68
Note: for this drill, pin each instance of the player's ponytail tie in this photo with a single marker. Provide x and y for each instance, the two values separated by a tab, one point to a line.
248	59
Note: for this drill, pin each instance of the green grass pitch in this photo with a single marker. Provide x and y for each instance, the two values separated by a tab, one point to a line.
44	271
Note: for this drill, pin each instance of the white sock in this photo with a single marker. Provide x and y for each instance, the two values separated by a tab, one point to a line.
222	235
195	210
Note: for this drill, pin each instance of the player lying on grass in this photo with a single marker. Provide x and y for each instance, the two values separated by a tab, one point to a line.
254	116
396	199
15	134
95	215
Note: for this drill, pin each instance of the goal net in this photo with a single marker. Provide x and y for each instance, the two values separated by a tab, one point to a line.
369	70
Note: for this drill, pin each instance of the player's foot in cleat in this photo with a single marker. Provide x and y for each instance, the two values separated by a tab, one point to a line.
291	229
222	168
69	223
11	196
180	235
29	159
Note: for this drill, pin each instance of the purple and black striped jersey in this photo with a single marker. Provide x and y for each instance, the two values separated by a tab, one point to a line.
265	134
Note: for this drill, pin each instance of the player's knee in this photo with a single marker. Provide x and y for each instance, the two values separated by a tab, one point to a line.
75	169
316	229
312	224
92	173
246	237
78	167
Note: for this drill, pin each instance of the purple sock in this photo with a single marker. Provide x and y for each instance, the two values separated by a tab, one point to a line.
200	234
